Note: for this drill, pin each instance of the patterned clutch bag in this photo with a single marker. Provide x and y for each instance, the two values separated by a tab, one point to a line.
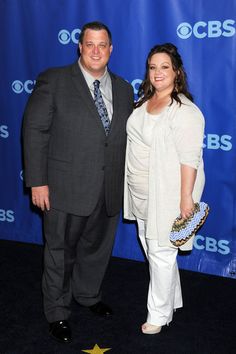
183	229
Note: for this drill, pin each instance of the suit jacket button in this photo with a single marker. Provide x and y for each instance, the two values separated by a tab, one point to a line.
103	168
106	144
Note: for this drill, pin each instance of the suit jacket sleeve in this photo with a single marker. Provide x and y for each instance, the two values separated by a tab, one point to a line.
37	121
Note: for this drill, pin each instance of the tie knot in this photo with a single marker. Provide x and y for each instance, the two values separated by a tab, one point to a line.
96	83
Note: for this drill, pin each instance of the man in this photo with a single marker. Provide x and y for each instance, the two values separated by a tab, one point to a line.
74	149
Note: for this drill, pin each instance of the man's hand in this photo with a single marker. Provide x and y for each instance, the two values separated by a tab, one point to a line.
40	197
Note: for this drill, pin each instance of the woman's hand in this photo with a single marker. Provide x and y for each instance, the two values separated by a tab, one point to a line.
186	206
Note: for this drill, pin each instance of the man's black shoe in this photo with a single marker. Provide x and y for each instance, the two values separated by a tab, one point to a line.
101	309
60	331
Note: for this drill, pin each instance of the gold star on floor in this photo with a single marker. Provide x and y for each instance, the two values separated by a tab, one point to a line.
96	350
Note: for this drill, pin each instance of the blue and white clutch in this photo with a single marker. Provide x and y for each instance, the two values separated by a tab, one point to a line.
183	229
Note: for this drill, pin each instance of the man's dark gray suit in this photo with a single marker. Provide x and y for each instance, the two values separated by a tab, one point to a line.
65	147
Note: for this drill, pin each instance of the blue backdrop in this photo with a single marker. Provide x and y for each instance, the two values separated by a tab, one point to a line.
36	34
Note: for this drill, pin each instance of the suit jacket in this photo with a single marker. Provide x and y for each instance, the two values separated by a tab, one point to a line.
65	146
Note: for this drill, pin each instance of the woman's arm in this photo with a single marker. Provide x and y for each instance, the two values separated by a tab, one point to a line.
188	176
188	133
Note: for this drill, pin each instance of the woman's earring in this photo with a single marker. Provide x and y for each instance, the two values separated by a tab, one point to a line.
176	89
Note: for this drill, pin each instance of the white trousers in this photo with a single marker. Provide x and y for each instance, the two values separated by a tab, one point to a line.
164	293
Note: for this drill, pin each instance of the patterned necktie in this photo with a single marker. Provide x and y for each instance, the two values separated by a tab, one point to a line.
101	108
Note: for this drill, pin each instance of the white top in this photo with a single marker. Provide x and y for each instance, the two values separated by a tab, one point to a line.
140	134
177	139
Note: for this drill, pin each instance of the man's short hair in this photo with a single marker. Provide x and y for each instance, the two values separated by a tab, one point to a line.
97	26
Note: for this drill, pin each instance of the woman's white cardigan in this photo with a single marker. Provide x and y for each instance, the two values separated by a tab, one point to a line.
177	139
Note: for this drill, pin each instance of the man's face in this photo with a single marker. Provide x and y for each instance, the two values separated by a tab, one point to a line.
95	51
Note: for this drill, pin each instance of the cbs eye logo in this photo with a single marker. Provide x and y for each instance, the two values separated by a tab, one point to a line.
136	83
19	86
65	37
184	30
22	175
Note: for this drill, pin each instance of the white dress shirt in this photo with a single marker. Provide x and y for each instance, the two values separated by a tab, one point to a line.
105	87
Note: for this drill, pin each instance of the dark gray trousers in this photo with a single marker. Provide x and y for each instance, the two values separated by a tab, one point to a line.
76	255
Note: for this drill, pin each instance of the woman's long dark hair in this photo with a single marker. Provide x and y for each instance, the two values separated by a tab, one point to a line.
146	90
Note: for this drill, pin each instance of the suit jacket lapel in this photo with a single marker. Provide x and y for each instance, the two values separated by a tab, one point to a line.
115	100
82	87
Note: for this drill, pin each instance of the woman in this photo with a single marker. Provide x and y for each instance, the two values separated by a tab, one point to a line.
164	174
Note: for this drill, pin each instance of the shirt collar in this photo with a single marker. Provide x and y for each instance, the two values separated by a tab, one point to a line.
90	79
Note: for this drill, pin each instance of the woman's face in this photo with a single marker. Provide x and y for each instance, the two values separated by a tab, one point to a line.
161	73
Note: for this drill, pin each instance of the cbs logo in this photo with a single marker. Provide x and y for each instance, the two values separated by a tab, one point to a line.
19	86
210	244
21	175
210	29
66	37
7	215
136	83
215	142
4	131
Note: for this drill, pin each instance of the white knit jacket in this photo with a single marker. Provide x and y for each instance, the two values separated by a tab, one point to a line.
177	139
